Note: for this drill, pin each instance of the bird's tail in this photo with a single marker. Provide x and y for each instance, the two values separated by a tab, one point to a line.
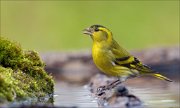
159	76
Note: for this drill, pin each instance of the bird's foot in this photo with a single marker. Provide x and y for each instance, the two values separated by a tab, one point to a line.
101	90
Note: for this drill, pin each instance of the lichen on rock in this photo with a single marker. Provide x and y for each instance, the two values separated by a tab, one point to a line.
22	73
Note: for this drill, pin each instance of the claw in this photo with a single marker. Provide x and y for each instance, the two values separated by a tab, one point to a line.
101	90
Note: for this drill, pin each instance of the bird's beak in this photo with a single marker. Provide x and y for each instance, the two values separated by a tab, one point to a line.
87	31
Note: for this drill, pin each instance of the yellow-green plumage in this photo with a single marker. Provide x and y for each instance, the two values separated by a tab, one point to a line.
112	59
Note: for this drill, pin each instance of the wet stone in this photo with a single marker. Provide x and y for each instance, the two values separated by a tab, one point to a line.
117	97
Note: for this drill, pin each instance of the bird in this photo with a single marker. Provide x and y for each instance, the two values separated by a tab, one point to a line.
114	60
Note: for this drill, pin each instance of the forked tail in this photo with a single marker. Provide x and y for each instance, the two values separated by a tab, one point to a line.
159	76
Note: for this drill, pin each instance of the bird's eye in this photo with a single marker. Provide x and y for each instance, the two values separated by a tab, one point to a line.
96	29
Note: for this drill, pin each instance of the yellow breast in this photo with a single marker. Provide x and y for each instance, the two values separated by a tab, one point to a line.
102	58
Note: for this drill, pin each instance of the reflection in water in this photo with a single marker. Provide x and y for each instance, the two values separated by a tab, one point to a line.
152	95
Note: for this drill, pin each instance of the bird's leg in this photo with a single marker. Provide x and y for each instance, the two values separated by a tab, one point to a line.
113	84
101	90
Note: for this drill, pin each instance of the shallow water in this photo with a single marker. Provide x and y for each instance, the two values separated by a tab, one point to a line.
152	95
71	95
159	96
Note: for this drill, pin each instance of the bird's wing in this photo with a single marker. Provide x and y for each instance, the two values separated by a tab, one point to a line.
133	63
124	58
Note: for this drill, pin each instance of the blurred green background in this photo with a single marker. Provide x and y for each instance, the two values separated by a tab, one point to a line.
57	25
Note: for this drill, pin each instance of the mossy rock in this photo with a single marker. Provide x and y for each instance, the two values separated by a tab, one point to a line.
22	73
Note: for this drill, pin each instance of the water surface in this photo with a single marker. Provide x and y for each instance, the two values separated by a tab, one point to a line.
160	95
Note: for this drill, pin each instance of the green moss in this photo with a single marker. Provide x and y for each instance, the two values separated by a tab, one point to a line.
22	73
